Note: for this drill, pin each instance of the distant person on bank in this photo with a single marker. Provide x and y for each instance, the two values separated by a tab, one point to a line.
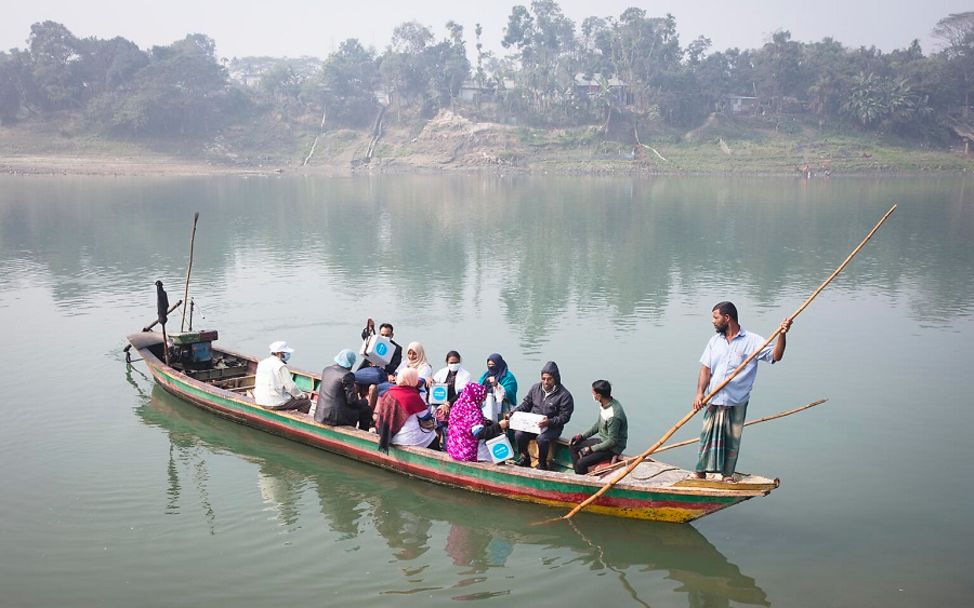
723	422
611	427
338	401
274	388
551	400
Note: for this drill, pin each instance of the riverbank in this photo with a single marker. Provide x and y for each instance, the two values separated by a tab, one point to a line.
450	143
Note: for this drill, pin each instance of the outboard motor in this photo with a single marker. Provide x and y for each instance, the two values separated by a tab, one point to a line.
192	350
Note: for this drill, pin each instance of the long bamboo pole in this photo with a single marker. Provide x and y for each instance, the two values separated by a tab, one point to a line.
605	488
680	444
189	270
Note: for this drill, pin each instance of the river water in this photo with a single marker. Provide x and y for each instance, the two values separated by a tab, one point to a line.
117	494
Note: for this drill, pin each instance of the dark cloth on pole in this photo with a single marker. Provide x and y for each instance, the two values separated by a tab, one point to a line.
162	303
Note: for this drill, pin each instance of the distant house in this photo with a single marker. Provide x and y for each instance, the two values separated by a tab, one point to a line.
471	91
592	87
738	104
382	96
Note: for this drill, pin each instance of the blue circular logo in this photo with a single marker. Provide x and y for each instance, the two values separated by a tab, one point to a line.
501	451
381	349
439	392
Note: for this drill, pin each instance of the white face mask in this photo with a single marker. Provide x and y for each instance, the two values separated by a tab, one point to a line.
453	367
606	413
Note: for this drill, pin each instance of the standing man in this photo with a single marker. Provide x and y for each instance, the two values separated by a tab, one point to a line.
723	422
274	387
553	401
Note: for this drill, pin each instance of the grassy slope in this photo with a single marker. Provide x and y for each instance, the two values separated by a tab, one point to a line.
269	142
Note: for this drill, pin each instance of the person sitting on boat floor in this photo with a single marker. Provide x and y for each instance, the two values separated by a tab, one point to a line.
398	415
500	380
723	422
551	400
469	429
611	427
338	401
274	388
461	444
386	331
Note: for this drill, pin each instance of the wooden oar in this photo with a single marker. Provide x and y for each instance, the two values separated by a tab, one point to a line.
670	446
189	270
632	465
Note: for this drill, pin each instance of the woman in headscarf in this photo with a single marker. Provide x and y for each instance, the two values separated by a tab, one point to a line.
398	412
465	418
416	359
501	381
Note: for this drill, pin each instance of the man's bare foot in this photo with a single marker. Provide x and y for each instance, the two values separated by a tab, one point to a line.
730	479
700	475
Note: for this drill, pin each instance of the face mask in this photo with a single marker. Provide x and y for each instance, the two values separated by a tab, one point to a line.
453	367
286	357
606	413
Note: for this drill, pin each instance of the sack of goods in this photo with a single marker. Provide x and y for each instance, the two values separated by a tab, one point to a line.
490	409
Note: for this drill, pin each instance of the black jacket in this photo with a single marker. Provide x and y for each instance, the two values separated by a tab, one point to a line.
557	406
338	401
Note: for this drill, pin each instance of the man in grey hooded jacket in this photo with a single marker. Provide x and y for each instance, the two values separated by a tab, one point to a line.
553	401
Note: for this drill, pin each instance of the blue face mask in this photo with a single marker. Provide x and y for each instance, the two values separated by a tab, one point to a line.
285	357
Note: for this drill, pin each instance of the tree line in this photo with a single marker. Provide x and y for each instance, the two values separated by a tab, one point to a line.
631	70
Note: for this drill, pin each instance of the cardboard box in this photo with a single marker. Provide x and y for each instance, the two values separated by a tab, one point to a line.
379	350
526	422
438	394
500	448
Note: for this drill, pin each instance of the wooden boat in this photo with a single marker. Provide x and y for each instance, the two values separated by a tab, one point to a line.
654	491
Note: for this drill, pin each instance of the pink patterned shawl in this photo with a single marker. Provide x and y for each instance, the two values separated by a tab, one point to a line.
464	414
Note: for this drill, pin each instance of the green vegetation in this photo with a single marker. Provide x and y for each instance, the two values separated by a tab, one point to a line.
621	91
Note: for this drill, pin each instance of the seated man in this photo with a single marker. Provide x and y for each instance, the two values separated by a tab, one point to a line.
553	401
274	388
338	402
385	330
612	429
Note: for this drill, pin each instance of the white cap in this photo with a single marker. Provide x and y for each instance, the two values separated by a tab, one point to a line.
280	347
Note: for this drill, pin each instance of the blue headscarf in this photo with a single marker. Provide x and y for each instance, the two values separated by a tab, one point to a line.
500	366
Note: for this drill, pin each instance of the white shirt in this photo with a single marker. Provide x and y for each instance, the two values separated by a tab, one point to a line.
273	384
459	381
413	434
723	357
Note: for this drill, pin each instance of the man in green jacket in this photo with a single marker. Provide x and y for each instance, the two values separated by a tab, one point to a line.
612	429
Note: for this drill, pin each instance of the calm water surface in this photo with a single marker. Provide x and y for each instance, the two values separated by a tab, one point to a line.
116	494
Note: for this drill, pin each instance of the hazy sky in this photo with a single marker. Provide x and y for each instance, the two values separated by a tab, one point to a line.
304	27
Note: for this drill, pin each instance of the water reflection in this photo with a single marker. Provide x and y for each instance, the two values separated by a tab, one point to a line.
425	526
615	247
